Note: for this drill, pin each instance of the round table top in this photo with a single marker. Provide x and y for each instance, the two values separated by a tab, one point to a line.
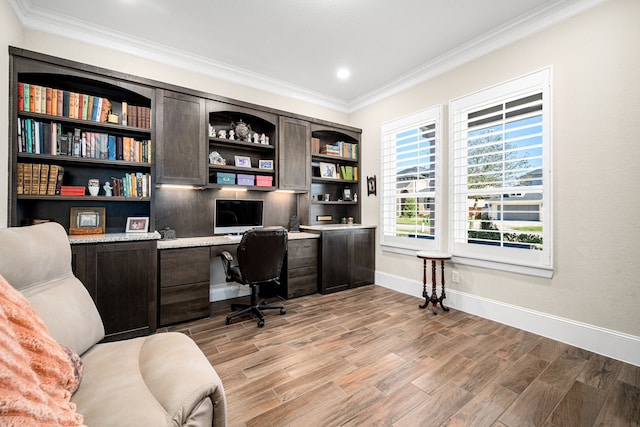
433	255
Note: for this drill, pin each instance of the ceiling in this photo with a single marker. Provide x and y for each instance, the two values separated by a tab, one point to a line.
295	47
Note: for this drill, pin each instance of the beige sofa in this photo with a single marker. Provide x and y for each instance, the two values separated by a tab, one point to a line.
159	380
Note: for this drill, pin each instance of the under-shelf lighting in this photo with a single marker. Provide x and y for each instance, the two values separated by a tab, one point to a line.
285	191
178	187
232	189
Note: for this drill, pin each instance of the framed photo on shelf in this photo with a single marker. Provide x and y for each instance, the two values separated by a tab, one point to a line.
137	224
266	164
243	161
346	194
328	170
87	220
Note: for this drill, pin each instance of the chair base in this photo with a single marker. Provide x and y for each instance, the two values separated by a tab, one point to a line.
253	309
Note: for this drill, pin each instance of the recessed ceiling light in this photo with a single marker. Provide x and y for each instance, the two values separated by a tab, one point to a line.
343	74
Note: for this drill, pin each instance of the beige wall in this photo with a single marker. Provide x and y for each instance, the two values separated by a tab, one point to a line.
10	34
596	154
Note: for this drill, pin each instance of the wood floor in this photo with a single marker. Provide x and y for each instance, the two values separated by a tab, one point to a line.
370	357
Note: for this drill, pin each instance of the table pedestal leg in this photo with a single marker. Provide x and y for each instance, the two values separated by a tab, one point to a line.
433	298
424	285
443	295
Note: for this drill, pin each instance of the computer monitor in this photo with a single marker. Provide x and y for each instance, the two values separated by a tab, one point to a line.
235	216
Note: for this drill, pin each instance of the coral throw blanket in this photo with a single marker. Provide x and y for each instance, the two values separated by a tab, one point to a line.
36	375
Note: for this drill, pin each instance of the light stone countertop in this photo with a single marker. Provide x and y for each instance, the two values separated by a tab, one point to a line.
76	239
191	242
328	227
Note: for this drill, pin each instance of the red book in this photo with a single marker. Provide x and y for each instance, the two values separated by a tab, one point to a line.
20	96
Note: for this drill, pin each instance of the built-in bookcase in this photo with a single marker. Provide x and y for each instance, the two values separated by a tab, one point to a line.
335	175
71	125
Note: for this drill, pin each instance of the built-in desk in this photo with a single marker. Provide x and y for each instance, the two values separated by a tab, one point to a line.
184	272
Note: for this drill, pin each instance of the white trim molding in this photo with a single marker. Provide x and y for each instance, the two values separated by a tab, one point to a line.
602	341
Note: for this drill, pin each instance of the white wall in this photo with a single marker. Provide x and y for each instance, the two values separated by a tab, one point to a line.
596	151
10	34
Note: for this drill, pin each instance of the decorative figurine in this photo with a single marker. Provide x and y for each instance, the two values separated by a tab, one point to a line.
107	189
94	186
222	134
212	130
241	129
216	159
263	139
256	138
232	135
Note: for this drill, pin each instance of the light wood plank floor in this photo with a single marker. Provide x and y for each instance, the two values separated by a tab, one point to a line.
371	357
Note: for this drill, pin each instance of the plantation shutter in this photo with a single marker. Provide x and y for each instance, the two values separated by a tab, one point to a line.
501	173
410	169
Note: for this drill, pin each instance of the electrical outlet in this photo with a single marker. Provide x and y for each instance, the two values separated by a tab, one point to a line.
455	276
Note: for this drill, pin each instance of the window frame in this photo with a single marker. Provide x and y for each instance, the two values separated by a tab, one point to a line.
536	263
407	245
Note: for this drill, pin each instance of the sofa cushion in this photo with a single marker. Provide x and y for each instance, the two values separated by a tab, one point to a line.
36	260
36	375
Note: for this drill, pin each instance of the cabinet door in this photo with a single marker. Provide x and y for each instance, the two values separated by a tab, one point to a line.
294	154
124	278
336	271
363	257
301	269
181	151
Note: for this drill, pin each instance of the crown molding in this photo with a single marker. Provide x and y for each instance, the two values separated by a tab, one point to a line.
35	18
500	37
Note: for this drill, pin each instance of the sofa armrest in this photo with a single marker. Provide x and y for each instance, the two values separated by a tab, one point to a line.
159	380
180	377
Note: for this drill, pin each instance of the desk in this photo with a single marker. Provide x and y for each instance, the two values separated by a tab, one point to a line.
184	275
434	257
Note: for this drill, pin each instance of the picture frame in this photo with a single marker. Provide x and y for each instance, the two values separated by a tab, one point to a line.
266	164
346	194
243	161
328	170
137	224
371	185
87	220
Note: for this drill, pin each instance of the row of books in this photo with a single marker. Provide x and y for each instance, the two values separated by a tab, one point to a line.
132	185
349	173
56	102
46	180
39	179
339	149
35	137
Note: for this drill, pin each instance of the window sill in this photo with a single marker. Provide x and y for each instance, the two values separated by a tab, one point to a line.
546	273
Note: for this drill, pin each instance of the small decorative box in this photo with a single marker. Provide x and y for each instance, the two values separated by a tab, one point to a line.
264	181
226	178
245	179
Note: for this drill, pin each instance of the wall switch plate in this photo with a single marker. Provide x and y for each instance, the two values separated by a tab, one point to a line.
455	276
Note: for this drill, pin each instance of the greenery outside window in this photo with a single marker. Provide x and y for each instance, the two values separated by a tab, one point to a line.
411	213
501	173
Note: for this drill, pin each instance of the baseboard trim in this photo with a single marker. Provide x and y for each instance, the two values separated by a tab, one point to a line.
603	341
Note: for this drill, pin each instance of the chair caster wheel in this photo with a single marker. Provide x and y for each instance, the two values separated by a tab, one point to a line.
283	311
260	323
228	321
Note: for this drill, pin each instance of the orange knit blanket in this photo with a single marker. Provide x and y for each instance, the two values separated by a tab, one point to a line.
35	372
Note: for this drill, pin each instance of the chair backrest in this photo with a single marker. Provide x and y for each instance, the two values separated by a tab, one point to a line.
261	254
36	260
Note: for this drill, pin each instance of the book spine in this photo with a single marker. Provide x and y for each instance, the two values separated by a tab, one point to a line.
60	102
35	179
36	98
85	106
49	100
59	180
27	97
20	179
28	173
44	179
20	96
54	102
43	99
53	176
66	100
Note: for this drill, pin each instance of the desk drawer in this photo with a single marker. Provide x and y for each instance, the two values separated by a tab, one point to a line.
184	302
184	265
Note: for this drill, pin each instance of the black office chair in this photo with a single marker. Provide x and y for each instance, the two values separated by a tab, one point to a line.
260	257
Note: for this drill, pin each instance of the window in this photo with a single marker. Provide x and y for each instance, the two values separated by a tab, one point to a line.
501	189
411	214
